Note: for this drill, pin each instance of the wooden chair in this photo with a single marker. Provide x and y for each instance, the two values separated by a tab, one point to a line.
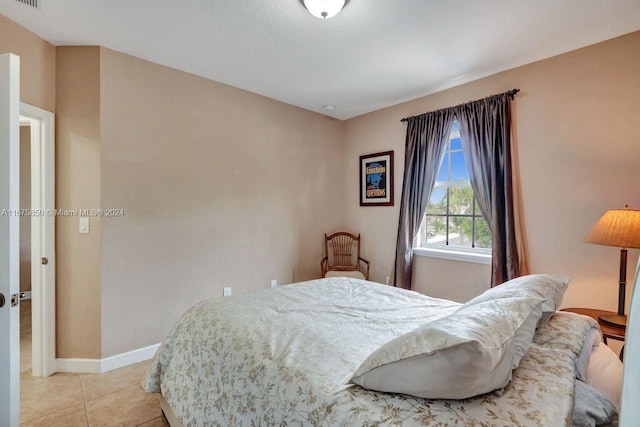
342	256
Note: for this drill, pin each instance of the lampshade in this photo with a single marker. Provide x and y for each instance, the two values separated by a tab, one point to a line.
324	9
620	228
617	227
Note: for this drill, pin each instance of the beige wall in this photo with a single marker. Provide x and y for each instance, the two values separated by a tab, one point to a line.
458	281
576	129
220	187
78	187
37	64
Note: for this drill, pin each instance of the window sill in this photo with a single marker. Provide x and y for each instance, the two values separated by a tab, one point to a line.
454	255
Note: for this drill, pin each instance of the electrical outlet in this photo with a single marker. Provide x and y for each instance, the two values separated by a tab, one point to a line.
226	292
274	283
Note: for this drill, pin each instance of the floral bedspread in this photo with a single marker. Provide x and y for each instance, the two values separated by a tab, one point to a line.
285	356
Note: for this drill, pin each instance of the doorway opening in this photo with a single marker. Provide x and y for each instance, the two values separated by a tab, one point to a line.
37	240
26	345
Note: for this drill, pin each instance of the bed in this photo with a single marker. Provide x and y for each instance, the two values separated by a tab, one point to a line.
290	355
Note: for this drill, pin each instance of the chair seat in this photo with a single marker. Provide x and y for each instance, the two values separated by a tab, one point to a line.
352	274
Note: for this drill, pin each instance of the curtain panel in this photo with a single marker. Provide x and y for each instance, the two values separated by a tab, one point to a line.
485	130
427	137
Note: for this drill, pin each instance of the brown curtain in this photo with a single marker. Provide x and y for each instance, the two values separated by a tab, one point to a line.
485	131
427	137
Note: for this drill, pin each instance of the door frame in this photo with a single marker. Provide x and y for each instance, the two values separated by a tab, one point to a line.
43	276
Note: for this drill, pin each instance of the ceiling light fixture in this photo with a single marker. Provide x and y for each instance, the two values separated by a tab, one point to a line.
324	9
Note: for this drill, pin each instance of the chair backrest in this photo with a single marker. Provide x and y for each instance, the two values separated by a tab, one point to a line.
630	410
342	250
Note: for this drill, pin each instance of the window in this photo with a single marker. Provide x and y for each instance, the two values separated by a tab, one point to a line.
453	219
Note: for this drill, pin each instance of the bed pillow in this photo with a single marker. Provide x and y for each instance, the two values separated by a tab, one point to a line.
469	352
604	373
551	287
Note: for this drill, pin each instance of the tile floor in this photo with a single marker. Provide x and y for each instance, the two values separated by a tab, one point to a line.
114	398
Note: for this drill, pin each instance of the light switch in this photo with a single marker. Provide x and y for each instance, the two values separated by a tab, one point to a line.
83	226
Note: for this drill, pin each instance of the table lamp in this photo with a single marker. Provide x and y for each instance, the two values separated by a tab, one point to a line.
620	228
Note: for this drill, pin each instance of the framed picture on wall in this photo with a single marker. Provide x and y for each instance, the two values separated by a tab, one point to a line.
376	179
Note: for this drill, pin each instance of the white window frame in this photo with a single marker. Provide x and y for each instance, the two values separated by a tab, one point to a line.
451	252
474	255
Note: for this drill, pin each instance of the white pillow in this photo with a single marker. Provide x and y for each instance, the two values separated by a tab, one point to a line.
469	352
604	373
551	287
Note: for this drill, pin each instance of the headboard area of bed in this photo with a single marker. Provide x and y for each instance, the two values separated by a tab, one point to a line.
630	411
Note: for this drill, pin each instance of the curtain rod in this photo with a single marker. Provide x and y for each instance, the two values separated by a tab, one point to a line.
511	93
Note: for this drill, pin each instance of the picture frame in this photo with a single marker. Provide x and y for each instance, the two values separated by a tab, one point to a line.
376	179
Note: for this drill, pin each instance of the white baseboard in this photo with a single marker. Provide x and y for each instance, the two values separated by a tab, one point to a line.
98	366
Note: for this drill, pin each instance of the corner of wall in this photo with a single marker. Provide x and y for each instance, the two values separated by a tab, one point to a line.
77	188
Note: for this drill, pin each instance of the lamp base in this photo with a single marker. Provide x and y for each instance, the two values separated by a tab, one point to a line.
614	320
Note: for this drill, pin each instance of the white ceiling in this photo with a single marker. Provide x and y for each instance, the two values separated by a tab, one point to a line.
374	54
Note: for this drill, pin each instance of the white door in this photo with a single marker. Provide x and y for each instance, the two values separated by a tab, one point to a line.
9	241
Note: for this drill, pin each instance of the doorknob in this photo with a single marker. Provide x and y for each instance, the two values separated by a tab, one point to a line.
1	300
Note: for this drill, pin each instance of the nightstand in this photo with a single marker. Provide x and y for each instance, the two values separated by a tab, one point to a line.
608	331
